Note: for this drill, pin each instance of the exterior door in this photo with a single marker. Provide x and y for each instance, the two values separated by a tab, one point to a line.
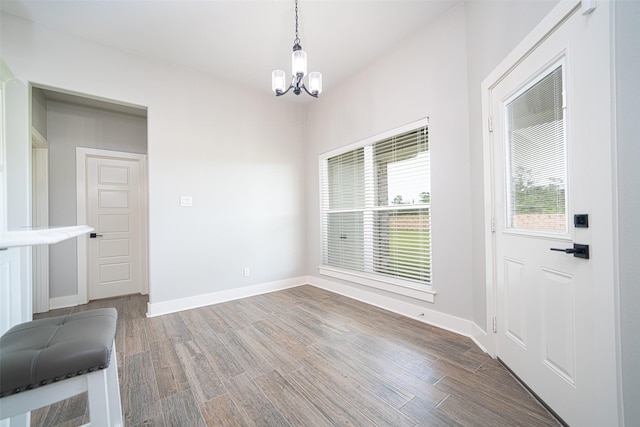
552	151
113	209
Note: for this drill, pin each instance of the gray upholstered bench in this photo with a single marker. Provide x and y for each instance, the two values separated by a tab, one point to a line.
48	360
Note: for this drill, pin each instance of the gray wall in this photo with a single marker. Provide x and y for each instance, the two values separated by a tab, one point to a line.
237	151
194	117
494	29
370	103
627	38
485	33
71	126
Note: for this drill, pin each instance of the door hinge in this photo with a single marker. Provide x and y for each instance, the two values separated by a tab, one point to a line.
495	325
490	124
493	224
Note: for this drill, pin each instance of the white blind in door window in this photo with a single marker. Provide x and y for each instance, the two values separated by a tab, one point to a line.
536	157
376	208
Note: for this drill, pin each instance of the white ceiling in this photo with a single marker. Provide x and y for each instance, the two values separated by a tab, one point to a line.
241	40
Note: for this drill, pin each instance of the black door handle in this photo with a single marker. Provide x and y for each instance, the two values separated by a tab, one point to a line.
94	235
566	251
578	250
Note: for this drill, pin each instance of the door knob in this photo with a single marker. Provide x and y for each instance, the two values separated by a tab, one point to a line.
94	235
578	250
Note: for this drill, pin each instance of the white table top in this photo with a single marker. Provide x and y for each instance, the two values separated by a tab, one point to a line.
41	236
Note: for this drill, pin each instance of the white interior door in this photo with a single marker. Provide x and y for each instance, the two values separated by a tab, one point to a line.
113	209
551	137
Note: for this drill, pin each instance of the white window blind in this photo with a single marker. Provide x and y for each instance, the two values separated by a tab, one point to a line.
537	155
376	207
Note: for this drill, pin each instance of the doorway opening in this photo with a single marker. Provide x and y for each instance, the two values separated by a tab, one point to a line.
61	121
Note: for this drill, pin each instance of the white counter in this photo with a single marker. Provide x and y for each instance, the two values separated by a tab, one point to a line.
41	236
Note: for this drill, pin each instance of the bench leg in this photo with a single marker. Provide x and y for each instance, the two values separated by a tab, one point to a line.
98	403
22	420
113	387
104	396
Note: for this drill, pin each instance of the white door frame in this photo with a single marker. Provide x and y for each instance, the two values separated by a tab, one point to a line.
82	154
40	211
539	33
607	345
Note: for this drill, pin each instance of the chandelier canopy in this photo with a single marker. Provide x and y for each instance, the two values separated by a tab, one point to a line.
299	70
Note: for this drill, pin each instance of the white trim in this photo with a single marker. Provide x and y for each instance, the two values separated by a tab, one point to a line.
539	34
172	306
382	208
144	226
415	311
82	154
438	319
64	302
538	234
376	138
40	212
37	139
480	337
406	287
616	225
399	287
11	309
3	156
59	94
81	218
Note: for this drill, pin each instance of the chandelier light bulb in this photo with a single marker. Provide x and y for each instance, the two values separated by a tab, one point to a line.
299	62
278	81
315	82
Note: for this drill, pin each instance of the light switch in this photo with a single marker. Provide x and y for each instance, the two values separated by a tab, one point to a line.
186	201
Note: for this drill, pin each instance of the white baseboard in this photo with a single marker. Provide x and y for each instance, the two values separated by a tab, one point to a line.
63	302
451	323
172	306
481	338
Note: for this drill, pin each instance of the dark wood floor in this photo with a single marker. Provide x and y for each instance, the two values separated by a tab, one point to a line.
299	357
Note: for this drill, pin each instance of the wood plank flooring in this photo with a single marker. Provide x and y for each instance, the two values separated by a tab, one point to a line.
299	357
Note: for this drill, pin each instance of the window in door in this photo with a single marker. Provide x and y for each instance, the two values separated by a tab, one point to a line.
537	160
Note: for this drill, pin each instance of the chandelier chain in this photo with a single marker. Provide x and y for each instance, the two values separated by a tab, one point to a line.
297	39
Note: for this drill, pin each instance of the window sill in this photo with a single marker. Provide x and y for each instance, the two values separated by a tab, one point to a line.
390	285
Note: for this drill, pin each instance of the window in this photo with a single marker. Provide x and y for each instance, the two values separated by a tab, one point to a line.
536	155
376	201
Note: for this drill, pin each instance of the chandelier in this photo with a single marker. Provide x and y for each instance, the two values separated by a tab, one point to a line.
299	70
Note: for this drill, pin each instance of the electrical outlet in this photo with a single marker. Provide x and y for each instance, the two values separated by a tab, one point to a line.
247	272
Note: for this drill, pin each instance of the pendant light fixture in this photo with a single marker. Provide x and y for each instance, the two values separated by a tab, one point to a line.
299	70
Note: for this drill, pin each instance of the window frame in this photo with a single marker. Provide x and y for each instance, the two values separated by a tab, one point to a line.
397	285
562	235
